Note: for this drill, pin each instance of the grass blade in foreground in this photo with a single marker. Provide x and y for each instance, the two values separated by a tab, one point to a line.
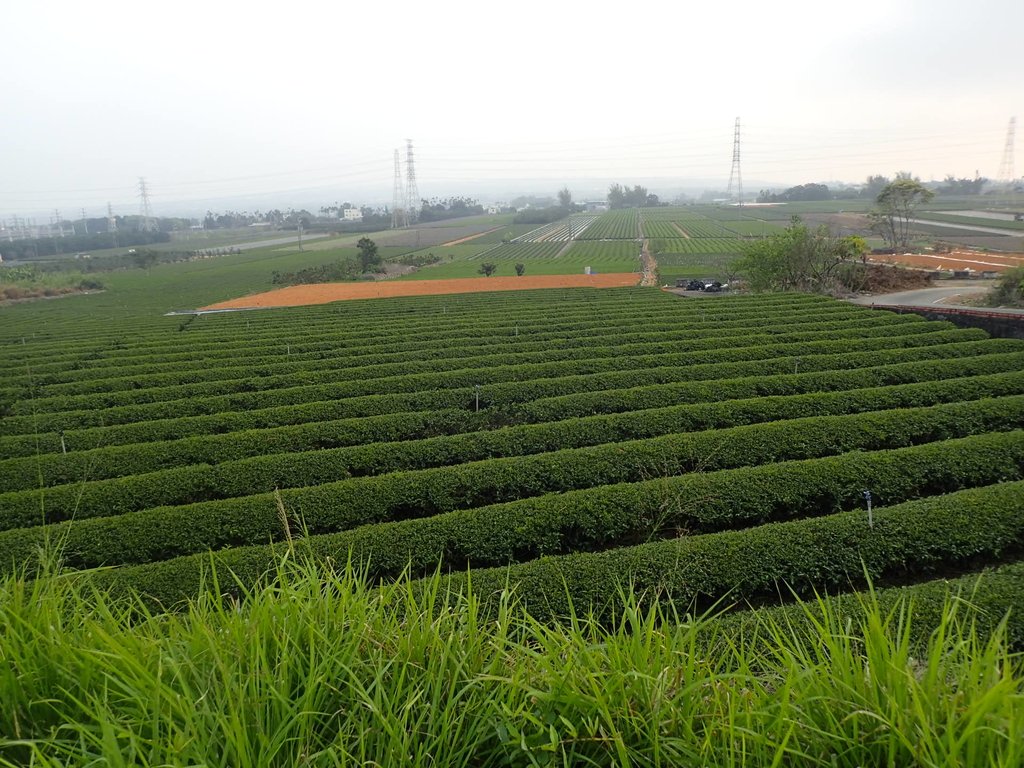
321	671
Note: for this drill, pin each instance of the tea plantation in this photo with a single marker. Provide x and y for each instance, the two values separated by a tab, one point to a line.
571	442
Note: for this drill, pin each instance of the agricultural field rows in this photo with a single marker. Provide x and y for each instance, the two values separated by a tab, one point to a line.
696	245
574	226
614	225
581	437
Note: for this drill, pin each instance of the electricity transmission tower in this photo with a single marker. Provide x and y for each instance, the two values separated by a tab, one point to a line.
735	177
111	222
1006	171
398	199
412	193
144	209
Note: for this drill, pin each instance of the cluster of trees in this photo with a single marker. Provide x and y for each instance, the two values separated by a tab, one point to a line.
436	209
870	189
955	186
367	260
487	269
799	193
322	273
800	259
41	247
621	196
817	260
552	213
1009	291
276	218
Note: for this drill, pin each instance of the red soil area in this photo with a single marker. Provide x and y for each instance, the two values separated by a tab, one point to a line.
301	295
978	261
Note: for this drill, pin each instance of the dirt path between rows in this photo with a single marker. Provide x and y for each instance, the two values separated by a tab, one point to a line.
649	271
680	230
462	240
302	295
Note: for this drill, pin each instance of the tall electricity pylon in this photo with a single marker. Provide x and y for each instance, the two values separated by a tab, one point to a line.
1006	171
735	177
412	192
398	199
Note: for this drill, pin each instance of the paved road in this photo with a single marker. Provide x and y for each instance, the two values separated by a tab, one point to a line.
939	298
276	241
971	227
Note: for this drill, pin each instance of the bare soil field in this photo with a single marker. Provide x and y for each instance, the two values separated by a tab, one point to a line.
302	295
976	260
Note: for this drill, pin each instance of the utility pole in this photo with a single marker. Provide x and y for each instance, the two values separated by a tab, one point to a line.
85	222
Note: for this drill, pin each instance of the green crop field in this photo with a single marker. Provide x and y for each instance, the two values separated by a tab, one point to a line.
543	258
623	454
489	430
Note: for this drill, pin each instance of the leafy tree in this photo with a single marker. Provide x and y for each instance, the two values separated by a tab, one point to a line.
874	185
798	259
520	269
564	198
616	197
897	203
145	258
624	197
799	193
488	269
369	259
955	186
1009	290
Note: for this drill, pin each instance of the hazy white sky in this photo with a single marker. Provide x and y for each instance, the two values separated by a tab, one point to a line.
212	100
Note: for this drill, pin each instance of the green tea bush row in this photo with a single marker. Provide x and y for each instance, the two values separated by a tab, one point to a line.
388	445
228	340
599	358
331	422
282	362
634	371
589	520
163	532
917	540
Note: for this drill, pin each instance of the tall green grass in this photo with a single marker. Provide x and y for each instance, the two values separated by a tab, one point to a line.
318	669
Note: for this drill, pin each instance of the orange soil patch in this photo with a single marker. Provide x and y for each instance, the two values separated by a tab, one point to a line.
301	295
974	260
467	239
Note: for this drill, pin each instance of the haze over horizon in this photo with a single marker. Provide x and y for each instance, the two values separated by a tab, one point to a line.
232	101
